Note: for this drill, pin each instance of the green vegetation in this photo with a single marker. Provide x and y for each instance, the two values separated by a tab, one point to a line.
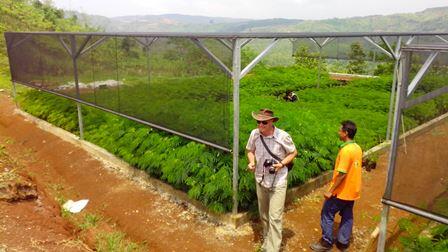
90	220
115	242
179	76
357	63
205	173
421	235
430	20
31	15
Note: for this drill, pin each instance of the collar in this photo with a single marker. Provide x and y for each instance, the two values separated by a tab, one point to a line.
274	135
346	143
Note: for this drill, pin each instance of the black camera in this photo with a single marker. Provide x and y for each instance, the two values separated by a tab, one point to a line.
269	164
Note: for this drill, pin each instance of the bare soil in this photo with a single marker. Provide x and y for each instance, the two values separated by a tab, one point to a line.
60	169
31	221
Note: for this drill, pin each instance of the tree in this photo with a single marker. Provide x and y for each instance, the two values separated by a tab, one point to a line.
303	58
357	63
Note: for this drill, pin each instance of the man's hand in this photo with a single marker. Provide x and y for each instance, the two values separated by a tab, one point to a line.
327	195
278	166
251	167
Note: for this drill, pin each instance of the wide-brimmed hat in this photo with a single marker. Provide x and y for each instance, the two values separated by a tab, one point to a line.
264	115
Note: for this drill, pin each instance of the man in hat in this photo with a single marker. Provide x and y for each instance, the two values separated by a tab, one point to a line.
269	150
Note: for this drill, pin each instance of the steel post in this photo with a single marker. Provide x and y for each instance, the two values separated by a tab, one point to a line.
236	76
401	90
392	99
14	93
319	66
78	96
383	228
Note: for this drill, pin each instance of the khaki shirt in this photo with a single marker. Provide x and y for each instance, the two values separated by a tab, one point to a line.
280	144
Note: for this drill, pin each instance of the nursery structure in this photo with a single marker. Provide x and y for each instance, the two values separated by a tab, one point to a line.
188	83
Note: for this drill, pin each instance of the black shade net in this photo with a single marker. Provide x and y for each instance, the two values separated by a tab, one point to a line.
167	82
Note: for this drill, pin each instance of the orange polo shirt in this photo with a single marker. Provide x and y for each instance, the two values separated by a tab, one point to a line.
348	161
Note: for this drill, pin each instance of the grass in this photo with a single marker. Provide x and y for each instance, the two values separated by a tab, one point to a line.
5	83
90	220
7	176
2	150
115	242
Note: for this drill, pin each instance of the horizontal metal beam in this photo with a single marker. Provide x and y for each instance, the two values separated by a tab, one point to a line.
128	117
258	58
417	211
423	70
425	48
213	57
265	35
426	97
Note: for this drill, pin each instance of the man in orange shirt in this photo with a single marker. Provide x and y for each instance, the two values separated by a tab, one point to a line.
344	189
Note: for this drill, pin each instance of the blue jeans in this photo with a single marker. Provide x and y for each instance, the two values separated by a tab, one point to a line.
332	206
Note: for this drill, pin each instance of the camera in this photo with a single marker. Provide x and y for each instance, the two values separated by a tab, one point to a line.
269	164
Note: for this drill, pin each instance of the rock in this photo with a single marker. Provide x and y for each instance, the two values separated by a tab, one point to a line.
17	190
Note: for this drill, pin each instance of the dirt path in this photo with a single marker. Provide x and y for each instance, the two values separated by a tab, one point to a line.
149	218
142	214
30	220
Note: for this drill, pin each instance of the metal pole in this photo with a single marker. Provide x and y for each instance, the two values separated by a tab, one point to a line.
14	93
392	99
401	89
75	71
236	70
383	228
404	136
319	66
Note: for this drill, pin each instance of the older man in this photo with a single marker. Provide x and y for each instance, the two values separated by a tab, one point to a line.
269	151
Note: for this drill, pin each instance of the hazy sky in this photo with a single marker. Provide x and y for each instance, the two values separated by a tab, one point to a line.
255	9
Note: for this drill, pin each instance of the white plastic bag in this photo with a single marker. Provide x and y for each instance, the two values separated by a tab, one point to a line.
75	206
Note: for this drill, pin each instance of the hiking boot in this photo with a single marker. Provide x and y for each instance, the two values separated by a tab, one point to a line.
321	246
342	247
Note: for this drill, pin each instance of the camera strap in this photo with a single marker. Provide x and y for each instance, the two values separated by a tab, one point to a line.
269	151
273	155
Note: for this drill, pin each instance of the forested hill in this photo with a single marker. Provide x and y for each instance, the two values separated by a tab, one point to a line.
31	15
429	20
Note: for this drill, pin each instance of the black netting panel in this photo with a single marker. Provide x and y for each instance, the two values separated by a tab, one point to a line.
421	171
169	82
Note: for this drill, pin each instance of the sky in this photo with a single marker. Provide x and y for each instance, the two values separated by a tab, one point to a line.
252	9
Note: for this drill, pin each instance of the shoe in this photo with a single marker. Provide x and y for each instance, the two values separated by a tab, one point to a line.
321	246
342	247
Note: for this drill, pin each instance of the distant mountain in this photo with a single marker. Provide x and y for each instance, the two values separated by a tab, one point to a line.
429	20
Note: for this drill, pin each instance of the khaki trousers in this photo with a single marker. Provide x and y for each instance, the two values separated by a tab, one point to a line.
271	203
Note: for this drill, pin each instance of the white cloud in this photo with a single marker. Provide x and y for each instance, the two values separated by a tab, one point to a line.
256	9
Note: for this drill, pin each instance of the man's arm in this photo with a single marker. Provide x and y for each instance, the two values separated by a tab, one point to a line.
251	158
288	159
339	178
